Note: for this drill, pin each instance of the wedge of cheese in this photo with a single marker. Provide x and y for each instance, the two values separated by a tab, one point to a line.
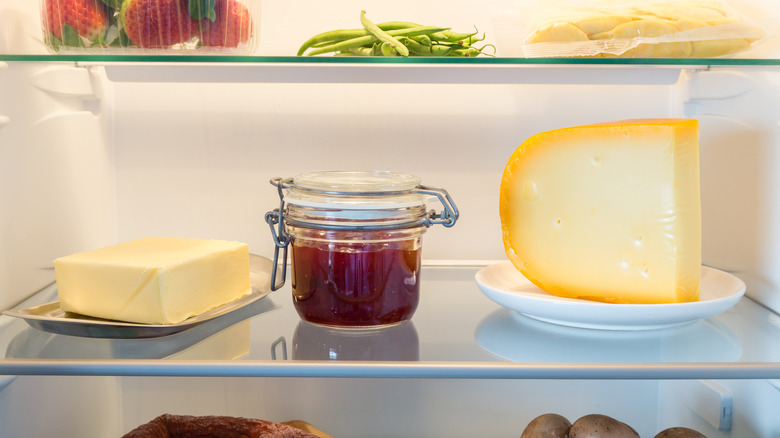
608	212
155	280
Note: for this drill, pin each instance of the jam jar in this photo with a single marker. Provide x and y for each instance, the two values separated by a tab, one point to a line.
355	240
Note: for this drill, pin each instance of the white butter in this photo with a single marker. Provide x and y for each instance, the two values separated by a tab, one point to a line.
155	280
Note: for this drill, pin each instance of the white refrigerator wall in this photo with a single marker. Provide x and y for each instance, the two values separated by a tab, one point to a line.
96	155
56	188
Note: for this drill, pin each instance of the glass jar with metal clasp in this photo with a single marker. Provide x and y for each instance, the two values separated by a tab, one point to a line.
355	239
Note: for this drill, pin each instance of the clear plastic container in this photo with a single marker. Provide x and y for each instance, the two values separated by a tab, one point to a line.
356	242
150	26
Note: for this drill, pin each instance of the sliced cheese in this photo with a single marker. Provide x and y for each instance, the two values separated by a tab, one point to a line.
688	28
155	280
558	32
709	11
646	28
601	23
608	212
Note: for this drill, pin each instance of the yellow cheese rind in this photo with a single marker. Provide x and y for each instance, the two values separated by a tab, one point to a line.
155	280
607	212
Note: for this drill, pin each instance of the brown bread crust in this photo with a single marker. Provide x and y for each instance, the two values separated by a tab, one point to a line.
212	426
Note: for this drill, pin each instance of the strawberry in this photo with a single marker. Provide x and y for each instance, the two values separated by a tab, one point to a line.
157	23
87	17
232	25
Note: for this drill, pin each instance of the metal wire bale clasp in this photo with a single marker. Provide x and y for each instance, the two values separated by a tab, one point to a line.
281	238
448	216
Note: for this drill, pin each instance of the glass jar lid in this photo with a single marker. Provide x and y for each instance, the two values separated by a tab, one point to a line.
355	190
349	181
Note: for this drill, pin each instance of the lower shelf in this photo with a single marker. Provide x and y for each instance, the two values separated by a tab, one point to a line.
456	333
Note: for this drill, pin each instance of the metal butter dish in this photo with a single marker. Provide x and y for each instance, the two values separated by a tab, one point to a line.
49	317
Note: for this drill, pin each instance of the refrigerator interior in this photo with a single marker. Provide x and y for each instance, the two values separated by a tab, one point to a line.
93	153
431	408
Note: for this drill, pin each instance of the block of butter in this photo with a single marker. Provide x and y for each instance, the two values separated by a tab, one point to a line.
154	280
607	212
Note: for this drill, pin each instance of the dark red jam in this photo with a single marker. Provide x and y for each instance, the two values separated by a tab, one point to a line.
361	283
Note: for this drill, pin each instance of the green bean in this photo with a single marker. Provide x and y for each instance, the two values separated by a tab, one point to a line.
464	53
473	40
440	50
416	48
359	51
395	25
470	52
425	40
392	38
482	50
388	50
438	36
328	37
370	39
452	37
382	35
345	34
466	42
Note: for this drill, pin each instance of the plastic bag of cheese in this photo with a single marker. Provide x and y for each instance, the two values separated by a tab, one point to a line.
633	29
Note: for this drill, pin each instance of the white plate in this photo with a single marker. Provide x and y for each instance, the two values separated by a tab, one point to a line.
505	285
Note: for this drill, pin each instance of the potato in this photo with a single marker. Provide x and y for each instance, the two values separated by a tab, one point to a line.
679	432
547	426
601	426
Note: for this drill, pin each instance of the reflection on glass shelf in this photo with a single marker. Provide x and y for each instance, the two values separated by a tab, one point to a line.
518	338
225	337
396	343
226	344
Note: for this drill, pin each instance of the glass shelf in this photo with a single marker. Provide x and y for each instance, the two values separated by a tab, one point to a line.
457	332
259	59
183	68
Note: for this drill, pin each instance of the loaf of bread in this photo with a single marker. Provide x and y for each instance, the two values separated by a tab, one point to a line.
188	426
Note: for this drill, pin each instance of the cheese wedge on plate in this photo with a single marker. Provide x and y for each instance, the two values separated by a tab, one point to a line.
155	280
607	212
